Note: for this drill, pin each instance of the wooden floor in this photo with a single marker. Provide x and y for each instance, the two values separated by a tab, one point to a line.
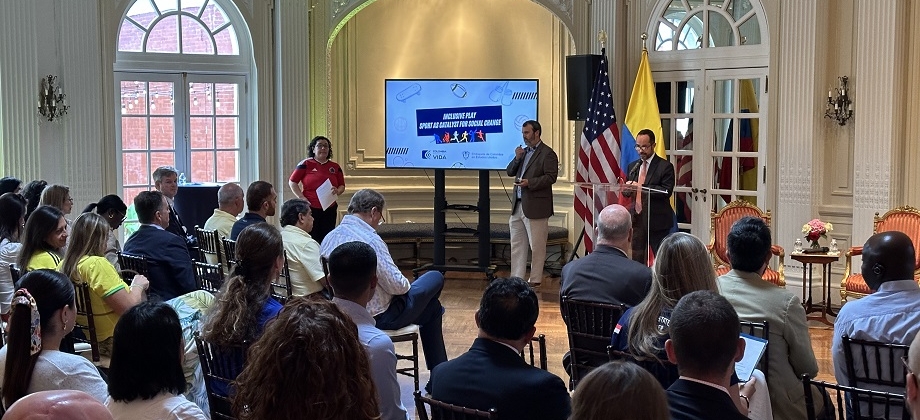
461	295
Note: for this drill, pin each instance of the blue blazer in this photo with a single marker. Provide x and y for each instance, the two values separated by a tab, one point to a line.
170	267
491	375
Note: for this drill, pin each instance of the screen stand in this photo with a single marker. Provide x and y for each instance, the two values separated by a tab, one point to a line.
440	230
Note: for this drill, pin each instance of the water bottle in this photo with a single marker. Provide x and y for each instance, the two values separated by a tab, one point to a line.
181	179
833	249
798	246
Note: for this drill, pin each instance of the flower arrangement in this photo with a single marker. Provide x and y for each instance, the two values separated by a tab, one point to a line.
816	229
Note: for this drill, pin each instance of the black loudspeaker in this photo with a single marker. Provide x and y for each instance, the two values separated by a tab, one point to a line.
580	71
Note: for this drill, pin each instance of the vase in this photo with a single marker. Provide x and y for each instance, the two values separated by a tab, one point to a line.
815	245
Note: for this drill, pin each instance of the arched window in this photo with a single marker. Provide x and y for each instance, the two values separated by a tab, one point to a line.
182	71
684	24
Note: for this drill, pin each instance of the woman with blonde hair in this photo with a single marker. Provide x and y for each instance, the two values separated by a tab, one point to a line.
57	196
308	364
85	261
619	391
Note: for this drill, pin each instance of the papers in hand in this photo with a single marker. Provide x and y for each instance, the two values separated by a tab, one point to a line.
326	195
753	350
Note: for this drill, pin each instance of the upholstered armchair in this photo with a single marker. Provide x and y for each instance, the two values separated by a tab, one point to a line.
721	223
903	219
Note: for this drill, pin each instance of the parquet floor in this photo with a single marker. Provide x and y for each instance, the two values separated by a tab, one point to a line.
460	298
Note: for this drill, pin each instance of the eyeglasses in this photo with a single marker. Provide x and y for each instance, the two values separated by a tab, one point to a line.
70	199
906	365
644	147
321	146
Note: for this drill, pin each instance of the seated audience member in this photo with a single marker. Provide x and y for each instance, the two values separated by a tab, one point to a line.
261	202
168	263
492	374
309	364
43	313
12	219
58	405
757	300
166	181
10	184
705	343
229	205
244	303
145	377
619	391
110	296
114	210
304	263
912	388
589	278
33	193
353	274
43	239
58	196
396	303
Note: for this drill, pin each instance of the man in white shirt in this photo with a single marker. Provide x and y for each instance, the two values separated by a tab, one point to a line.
353	275
396	303
229	205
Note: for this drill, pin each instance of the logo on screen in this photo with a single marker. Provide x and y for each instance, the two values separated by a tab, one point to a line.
466	155
434	154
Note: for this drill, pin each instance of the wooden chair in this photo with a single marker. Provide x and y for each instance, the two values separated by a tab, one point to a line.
760	330
15	273
530	355
883	404
208	277
281	289
408	333
229	251
444	411
223	365
871	363
663	370
209	246
902	219
589	326
720	223
132	265
84	307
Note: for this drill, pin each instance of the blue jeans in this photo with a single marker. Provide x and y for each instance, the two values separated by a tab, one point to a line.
420	305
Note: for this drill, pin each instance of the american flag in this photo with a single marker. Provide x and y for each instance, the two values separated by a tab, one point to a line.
599	154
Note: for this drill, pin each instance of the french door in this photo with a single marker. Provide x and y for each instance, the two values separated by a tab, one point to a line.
714	128
190	121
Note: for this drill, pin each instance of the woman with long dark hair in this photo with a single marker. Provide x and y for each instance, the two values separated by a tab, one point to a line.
33	194
12	219
43	239
309	364
114	210
309	175
43	313
145	376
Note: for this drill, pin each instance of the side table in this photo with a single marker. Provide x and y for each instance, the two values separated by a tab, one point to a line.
824	307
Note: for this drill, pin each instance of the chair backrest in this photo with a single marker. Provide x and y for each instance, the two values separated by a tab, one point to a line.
904	219
229	251
15	273
531	356
84	307
281	289
208	277
663	370
720	223
444	411
590	326
874	363
131	265
219	364
209	244
883	405
760	330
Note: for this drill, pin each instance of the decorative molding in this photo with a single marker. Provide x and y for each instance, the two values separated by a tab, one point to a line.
19	74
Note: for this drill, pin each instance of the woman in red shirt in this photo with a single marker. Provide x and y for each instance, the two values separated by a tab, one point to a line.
311	173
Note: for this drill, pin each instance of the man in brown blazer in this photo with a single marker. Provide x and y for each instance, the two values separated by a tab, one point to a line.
534	168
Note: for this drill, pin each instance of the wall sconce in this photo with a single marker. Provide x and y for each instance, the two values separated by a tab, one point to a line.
51	102
839	109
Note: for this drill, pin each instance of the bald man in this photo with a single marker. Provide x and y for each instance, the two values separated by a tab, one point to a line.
58	405
912	391
889	315
230	204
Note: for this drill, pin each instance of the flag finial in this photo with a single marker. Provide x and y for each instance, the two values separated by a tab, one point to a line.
602	38
644	37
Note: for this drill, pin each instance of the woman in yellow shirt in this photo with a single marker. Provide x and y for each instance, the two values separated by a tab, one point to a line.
43	239
85	262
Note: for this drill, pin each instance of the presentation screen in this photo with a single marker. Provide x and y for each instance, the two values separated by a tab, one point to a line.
456	124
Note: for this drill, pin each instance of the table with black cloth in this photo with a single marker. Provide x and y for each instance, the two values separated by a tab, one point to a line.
195	203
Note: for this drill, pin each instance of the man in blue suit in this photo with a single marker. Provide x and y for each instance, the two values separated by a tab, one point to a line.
170	270
492	374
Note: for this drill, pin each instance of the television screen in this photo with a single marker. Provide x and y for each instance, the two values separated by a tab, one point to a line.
456	124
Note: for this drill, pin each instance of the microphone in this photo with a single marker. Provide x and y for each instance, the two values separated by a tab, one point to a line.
634	173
